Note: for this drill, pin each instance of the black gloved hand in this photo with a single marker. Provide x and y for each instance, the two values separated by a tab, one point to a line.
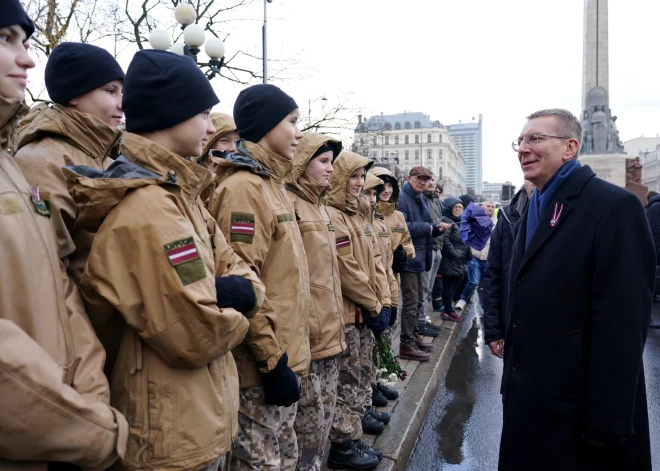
379	323
393	313
399	260
436	231
235	292
281	384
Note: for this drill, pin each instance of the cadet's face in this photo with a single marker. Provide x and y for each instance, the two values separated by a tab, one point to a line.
14	62
386	194
103	102
356	182
226	142
320	168
372	196
284	137
187	139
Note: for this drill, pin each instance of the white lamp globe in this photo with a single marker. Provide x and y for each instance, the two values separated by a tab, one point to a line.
160	40
185	14
194	35
214	48
178	48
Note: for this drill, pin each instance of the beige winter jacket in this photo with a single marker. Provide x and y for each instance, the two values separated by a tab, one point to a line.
150	285
55	398
355	249
307	196
253	211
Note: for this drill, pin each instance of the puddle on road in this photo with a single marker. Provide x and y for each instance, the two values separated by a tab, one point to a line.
451	428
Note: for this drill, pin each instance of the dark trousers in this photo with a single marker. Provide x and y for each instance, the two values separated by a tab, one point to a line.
436	294
412	292
451	286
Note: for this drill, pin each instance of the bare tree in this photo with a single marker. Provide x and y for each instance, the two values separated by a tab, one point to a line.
322	115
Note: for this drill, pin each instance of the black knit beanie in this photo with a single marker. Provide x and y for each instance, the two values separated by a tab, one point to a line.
74	69
12	13
334	147
259	108
163	89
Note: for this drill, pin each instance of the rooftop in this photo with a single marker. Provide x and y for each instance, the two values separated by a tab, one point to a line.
406	120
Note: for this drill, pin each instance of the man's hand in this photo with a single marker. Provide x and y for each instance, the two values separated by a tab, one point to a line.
444	226
497	348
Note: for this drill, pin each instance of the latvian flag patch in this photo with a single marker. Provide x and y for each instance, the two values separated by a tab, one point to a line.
343	245
242	227
181	251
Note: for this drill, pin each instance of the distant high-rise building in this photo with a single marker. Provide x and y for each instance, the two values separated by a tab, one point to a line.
467	137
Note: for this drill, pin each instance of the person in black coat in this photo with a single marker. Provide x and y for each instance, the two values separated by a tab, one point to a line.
455	255
653	215
579	301
497	271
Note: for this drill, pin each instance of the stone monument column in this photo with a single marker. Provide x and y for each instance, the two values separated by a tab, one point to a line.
595	64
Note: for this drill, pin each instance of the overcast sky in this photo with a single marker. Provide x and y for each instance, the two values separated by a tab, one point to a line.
456	59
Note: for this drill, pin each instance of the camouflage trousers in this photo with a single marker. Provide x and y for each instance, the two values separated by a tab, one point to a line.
217	465
354	387
266	439
316	410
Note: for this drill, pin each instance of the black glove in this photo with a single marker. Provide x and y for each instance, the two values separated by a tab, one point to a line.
399	260
378	324
436	231
235	292
281	384
393	312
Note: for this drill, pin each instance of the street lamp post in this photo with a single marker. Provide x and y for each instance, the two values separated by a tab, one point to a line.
194	37
264	40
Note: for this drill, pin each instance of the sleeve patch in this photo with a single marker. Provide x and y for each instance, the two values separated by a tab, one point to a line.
286	217
343	242
242	227
185	259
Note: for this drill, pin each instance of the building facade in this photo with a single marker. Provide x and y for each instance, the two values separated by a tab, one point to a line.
467	137
650	159
402	141
492	191
635	146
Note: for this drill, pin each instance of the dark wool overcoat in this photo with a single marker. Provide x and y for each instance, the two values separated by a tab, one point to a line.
579	304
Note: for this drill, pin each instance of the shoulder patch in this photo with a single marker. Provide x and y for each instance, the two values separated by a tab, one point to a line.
185	259
286	217
242	227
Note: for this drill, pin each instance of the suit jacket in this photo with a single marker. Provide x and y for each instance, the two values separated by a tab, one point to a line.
579	303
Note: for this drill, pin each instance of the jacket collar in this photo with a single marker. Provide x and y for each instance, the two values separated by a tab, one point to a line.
562	201
276	165
84	131
189	176
308	189
10	112
385	208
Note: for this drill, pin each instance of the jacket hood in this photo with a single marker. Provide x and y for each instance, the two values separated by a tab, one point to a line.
252	157
653	200
387	176
88	133
344	166
10	112
448	206
365	209
372	181
296	180
142	163
223	124
466	200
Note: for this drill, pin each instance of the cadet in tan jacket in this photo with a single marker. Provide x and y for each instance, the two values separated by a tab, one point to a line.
253	211
55	398
362	305
307	185
80	127
169	295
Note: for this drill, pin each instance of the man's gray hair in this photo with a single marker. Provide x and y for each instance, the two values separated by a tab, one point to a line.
567	124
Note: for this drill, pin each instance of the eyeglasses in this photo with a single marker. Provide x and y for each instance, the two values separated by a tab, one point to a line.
532	140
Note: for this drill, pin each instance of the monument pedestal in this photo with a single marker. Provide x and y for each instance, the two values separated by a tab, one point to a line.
608	167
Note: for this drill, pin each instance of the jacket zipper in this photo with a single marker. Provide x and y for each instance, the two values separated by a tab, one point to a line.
340	309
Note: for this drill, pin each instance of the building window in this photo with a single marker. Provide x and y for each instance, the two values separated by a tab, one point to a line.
417	125
407	125
388	126
397	125
396	140
440	153
374	154
361	141
428	138
440	136
387	140
439	173
417	154
416	139
407	155
406	139
429	154
374	141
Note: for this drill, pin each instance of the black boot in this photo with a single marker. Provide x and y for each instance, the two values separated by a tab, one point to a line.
369	450
383	417
371	425
377	398
389	393
347	455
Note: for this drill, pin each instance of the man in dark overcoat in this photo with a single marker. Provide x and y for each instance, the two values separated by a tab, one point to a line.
580	295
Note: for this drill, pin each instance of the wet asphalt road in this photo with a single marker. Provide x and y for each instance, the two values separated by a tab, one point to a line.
462	428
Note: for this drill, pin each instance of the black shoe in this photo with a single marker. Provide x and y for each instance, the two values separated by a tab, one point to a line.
383	417
371	425
426	331
348	456
364	448
433	326
389	393
377	398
